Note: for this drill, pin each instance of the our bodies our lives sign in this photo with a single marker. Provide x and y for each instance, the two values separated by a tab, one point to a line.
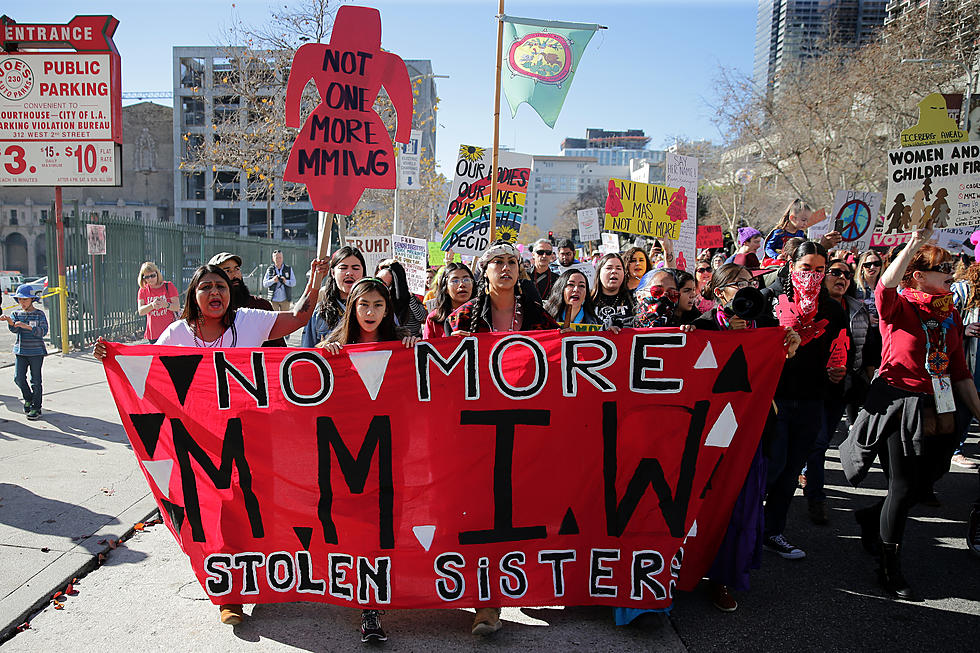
499	469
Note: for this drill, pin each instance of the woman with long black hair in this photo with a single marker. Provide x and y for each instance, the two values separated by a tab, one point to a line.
570	299
613	300
346	267
454	287
409	312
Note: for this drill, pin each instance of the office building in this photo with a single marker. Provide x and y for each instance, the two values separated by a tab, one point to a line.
611	148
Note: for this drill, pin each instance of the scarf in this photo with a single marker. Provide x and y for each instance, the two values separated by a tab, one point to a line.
806	287
933	307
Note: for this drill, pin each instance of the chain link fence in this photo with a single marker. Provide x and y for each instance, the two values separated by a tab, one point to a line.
102	288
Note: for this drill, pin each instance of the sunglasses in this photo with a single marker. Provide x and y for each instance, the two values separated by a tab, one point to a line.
871	264
543	252
151	275
703	270
945	268
837	272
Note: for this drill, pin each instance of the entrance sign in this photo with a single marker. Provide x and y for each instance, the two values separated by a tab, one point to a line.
499	469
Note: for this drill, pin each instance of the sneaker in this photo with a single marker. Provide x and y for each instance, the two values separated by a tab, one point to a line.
818	513
721	599
231	614
801	481
962	461
973	530
34	414
371	629
27	409
779	544
487	621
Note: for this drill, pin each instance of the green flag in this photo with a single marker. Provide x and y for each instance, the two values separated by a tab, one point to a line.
540	58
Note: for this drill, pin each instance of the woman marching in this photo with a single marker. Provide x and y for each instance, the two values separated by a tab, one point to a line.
454	287
407	310
346	267
570	301
370	319
637	264
209	321
908	419
157	299
614	303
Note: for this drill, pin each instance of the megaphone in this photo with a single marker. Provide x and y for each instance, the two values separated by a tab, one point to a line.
748	304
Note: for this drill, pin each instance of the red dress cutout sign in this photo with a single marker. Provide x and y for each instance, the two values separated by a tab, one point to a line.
614	202
343	147
677	208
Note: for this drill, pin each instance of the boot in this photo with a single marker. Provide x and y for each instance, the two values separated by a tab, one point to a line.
869	520
890	573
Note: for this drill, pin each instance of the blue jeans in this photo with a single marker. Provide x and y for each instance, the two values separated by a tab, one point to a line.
31	392
833	411
797	426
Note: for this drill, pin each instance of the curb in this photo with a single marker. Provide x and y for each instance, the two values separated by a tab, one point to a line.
37	592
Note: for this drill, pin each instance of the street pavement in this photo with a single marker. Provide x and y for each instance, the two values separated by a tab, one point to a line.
70	487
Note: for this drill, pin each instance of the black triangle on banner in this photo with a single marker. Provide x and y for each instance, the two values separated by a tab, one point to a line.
305	534
148	428
175	512
181	370
734	376
707	486
568	525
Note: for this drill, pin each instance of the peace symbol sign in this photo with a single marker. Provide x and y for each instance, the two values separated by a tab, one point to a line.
854	219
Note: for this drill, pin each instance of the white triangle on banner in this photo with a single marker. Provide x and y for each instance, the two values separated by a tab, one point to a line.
371	366
694	529
706	361
722	432
424	535
136	368
159	471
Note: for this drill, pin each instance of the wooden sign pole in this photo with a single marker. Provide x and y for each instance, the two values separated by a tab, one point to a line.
323	234
496	124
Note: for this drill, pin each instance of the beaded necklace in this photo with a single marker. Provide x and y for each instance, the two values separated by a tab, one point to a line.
204	343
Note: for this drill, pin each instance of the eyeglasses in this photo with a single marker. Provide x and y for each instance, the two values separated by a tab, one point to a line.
703	270
837	272
543	252
945	268
150	275
463	281
743	283
871	264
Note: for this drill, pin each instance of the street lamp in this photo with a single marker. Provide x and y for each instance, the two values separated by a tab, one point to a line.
965	110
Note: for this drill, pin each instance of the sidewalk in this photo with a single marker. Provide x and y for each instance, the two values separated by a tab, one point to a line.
67	482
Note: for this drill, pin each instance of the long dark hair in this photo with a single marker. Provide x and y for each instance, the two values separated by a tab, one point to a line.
628	254
399	285
556	306
327	304
806	248
444	303
192	312
726	274
348	330
625	295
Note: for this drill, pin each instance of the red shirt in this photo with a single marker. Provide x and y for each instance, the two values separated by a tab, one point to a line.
903	352
159	318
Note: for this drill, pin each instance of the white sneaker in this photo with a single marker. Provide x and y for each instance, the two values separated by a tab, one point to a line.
962	461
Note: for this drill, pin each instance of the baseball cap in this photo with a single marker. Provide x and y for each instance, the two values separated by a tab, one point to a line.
218	259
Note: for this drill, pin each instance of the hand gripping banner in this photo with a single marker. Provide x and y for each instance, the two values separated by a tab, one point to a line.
512	469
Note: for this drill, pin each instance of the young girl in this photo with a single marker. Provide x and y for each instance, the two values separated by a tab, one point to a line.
157	299
791	225
30	325
614	303
369	319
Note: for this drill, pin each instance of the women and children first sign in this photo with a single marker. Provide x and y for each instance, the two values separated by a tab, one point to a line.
499	469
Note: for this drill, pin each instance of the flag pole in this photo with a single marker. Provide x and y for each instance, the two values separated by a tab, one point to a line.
496	124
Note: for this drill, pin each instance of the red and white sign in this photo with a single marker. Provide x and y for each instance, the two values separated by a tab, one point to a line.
61	112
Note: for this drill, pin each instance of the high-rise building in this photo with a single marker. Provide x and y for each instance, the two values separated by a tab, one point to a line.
790	31
612	148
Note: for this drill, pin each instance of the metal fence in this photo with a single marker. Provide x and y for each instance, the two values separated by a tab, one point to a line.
102	289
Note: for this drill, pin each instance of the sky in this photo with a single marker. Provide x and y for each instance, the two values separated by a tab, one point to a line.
653	69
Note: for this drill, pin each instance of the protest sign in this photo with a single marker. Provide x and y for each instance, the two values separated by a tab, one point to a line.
935	125
95	235
467	229
710	235
954	239
645	209
854	216
585	267
436	255
411	253
938	182
682	171
610	244
588	225
343	147
389	477
374	249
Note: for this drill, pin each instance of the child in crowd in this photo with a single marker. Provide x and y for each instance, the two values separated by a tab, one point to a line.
30	325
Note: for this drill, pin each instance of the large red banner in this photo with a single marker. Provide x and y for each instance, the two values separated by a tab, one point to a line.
500	469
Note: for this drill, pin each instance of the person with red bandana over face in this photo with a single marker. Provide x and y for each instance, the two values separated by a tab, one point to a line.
908	418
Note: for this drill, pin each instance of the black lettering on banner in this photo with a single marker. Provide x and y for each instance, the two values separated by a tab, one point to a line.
218	582
259	389
510	564
304	568
646	565
572	367
497	368
640	363
355	472
337	588
280	572
465	351
450	585
675	570
377	576
557	560
598	571
286	378
673	505
483	578
249	561
232	455
505	422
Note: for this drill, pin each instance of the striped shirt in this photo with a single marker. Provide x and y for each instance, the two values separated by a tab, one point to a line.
30	342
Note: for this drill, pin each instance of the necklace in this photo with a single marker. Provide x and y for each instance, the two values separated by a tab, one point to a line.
202	342
514	323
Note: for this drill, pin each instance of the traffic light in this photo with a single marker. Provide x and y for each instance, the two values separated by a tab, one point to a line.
551	237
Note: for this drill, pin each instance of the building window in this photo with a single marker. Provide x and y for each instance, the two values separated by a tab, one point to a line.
191	72
226	186
138	215
194	185
44	216
192	109
13	216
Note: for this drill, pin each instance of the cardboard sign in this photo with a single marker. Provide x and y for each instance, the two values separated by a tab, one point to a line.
645	209
610	244
95	237
588	225
935	125
682	171
374	249
467	228
854	216
436	255
343	147
938	182
412	254
382	477
710	235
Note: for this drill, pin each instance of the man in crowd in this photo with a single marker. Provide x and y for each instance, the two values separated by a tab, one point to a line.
542	275
240	295
566	255
279	279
